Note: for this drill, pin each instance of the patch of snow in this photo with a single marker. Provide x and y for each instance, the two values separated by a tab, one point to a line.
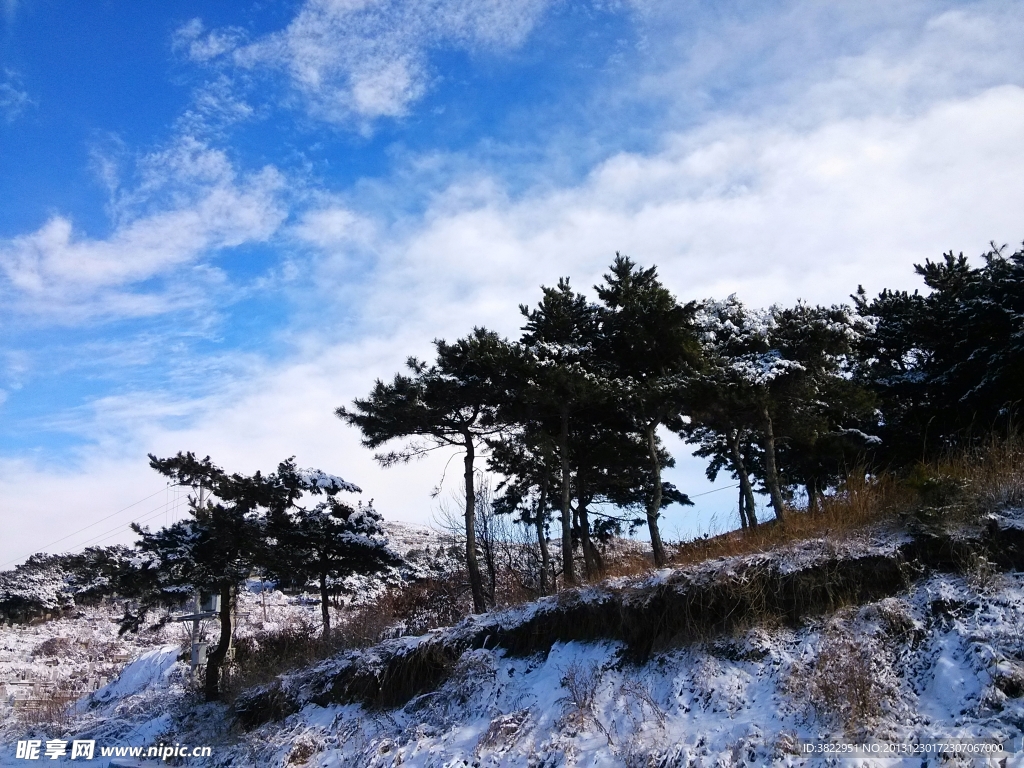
152	670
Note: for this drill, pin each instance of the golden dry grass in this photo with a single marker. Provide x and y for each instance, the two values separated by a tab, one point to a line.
982	478
990	475
862	500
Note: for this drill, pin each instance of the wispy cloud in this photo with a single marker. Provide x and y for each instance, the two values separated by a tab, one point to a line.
774	212
354	61
803	61
13	99
792	155
189	204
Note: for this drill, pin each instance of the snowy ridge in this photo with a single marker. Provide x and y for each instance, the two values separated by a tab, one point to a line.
937	655
735	701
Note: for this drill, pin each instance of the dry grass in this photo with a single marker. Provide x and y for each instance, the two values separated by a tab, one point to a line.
845	683
990	475
981	478
53	711
581	683
862	500
627	562
262	657
416	609
425	605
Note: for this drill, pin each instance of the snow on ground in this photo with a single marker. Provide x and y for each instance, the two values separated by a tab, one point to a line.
944	660
935	662
76	653
152	670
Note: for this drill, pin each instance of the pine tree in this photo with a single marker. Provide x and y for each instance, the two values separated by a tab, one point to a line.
330	541
733	394
450	403
524	456
779	375
947	365
219	546
652	353
560	337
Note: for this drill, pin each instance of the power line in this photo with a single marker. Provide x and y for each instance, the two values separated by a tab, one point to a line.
715	490
153	513
90	525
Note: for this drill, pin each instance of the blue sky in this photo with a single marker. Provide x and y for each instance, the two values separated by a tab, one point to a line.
222	220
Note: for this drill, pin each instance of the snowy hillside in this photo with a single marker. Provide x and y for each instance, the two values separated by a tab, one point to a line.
936	663
924	641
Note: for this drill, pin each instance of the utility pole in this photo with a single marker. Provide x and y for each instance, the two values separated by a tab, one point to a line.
199	613
194	644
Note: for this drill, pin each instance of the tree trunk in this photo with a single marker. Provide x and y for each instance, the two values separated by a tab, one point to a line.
568	572
542	539
741	470
812	498
743	509
325	613
771	472
215	659
490	560
591	557
578	537
476	584
654	504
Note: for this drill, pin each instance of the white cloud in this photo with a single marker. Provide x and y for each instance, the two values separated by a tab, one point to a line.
216	105
13	99
189	203
773	213
199	45
359	60
806	197
802	62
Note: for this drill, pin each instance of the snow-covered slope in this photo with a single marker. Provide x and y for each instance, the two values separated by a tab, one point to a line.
936	662
938	655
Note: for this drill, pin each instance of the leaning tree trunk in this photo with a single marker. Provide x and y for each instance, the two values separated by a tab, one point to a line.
654	503
476	584
568	572
591	557
542	539
812	497
325	613
746	491
771	471
216	658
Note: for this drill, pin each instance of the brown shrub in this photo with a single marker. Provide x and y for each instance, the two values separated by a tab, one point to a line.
845	682
414	609
426	605
53	646
261	657
581	683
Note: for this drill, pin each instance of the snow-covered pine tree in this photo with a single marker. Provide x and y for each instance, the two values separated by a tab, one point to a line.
325	544
651	354
776	375
219	546
947	365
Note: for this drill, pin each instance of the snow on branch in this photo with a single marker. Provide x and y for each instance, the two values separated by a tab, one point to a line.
316	478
